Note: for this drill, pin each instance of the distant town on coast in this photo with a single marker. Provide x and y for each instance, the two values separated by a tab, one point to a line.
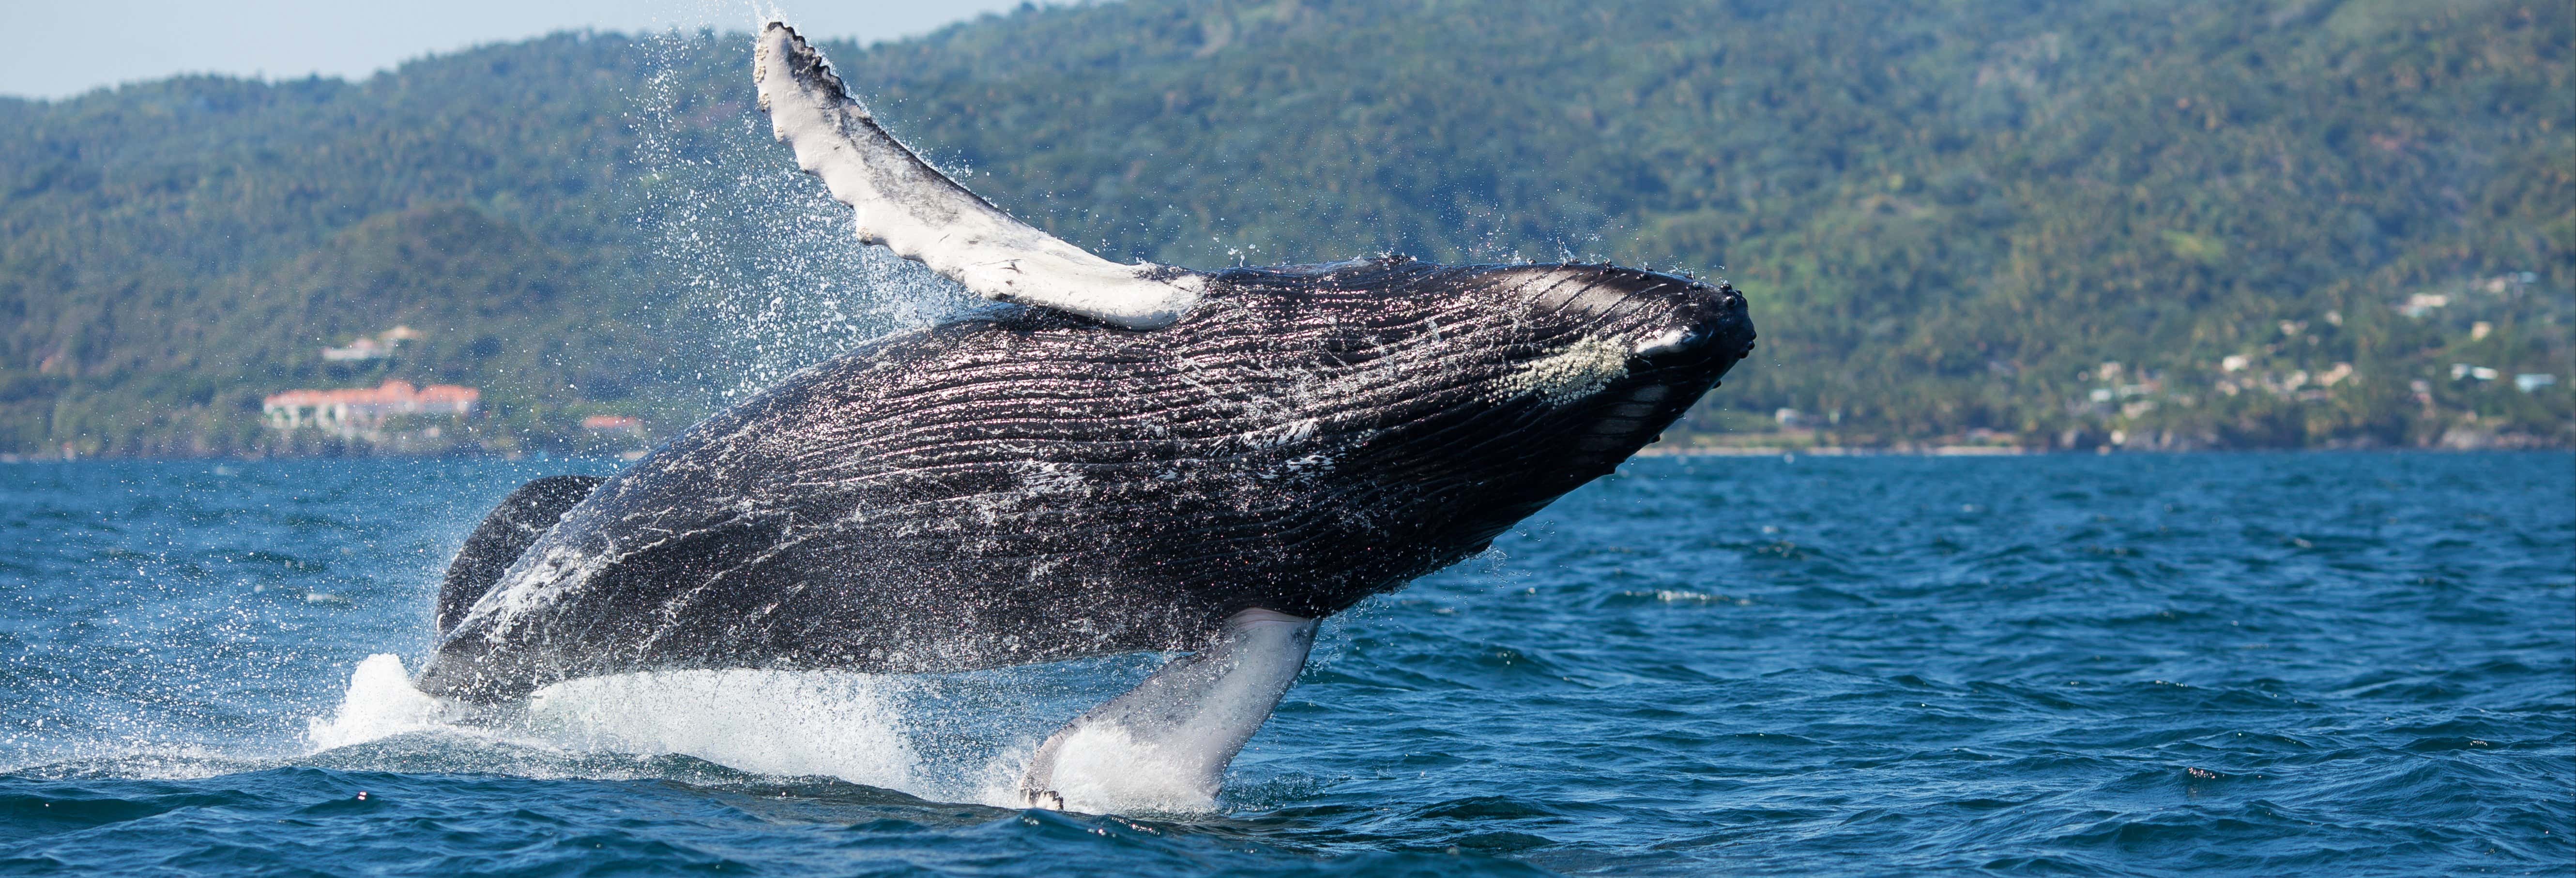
2115	227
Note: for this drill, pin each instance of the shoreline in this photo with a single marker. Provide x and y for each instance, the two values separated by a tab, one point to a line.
1980	451
2022	451
1858	451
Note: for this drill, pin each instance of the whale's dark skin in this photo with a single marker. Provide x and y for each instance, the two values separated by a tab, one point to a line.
1028	486
513	525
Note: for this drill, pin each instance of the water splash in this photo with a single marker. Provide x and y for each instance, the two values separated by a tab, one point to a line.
773	276
1104	770
380	703
959	738
768	722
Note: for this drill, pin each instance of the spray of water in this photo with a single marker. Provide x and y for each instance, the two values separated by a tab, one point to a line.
772	275
962	737
846	726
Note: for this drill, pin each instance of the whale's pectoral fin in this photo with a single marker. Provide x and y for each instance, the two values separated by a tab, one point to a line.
512	526
922	215
1168	740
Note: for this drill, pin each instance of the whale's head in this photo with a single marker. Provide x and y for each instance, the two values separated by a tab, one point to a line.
1598	360
1469	396
1544	372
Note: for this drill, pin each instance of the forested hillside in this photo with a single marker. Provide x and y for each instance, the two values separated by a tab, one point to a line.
2161	224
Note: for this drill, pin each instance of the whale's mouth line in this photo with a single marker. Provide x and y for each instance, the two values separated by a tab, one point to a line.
1623	421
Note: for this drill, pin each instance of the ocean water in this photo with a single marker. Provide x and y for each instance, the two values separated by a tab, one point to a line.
2274	664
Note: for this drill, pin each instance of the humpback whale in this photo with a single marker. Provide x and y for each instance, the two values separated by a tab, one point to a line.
1138	458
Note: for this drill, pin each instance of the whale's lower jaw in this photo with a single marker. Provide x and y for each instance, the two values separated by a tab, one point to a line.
1034	487
1633	421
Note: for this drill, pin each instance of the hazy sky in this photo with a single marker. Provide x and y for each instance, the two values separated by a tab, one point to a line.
57	48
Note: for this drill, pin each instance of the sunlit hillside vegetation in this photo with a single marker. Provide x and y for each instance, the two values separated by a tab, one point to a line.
2161	224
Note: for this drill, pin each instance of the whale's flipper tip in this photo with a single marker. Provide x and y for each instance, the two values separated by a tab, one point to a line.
784	52
923	215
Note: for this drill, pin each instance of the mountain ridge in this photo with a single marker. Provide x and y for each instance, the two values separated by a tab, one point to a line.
2034	224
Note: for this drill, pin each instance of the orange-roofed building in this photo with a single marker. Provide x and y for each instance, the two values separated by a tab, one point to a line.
350	412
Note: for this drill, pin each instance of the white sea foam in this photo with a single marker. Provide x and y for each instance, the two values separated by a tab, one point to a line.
944	739
380	703
764	722
767	722
1104	770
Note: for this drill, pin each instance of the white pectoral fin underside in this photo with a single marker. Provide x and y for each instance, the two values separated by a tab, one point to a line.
1165	744
922	215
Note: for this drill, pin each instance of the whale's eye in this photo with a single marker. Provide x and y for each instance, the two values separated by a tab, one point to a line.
1668	341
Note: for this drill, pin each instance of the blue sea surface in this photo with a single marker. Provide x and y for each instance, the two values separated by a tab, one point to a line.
2260	664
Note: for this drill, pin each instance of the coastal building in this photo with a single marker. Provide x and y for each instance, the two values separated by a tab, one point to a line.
361	412
362	349
377	347
2420	304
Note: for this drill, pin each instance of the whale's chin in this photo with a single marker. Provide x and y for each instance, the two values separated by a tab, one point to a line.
1627	424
